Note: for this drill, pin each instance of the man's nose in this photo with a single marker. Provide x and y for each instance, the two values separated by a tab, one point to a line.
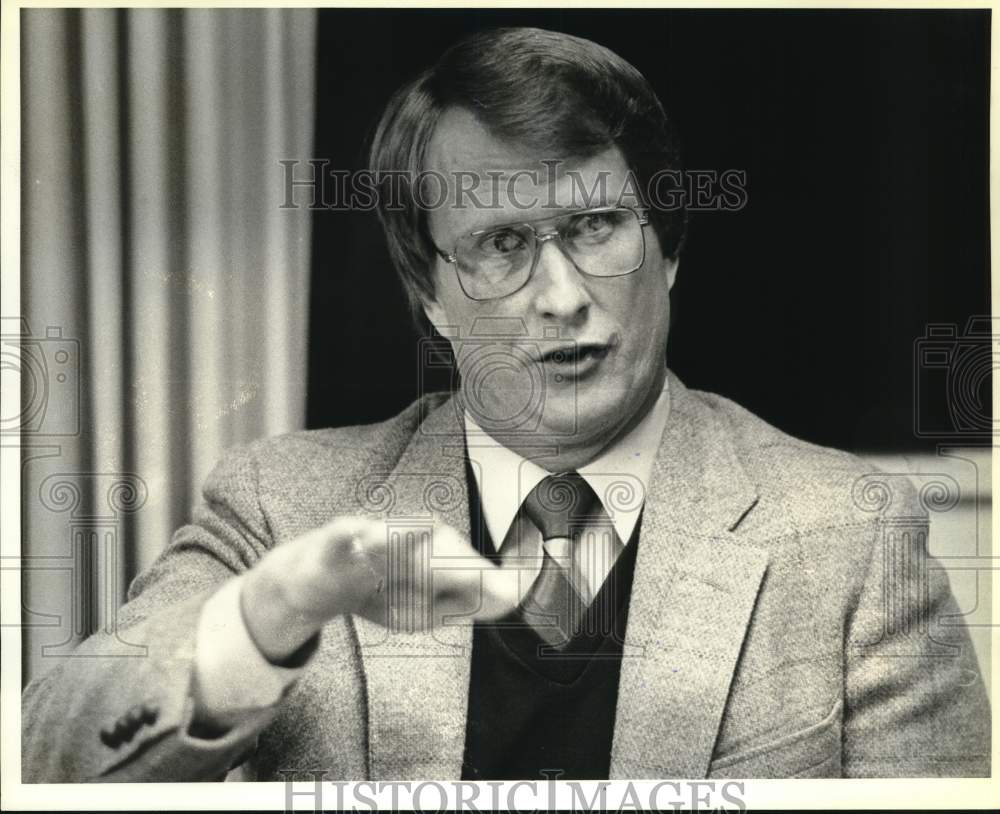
561	290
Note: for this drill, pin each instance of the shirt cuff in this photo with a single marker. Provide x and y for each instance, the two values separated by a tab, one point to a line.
232	675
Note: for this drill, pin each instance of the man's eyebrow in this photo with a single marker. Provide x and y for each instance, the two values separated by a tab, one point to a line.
486	221
499	219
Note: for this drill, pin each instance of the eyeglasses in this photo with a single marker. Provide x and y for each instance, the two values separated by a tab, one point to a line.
605	241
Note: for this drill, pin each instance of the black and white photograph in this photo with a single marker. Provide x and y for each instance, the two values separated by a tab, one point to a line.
497	408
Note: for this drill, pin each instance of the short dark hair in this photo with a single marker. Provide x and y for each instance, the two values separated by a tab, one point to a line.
562	95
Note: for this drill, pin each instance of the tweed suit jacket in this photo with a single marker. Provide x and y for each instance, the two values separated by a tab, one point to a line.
784	622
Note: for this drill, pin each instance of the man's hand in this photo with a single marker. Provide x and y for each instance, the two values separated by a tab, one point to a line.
351	565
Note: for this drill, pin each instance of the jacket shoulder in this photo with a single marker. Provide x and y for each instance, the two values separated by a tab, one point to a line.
391	435
310	456
802	484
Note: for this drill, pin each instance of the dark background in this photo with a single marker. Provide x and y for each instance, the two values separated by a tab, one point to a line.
865	139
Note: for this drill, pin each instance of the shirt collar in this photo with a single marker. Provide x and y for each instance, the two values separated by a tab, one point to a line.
620	475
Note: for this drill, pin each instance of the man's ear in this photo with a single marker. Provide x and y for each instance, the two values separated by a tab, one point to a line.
435	314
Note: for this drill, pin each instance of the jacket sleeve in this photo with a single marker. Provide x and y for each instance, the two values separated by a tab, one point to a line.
100	716
916	704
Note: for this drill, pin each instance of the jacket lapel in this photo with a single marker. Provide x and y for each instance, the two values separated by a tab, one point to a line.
417	683
694	589
693	593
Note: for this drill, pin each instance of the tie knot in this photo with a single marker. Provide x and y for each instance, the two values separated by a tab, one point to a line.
558	503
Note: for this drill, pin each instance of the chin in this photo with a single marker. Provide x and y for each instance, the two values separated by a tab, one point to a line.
582	421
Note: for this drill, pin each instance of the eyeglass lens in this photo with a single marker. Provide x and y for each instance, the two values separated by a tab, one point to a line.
499	261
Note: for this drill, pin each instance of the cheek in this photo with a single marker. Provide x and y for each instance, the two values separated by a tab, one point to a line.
460	320
645	310
452	309
643	318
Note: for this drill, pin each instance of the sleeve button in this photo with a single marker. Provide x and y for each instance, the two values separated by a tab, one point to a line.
149	713
109	737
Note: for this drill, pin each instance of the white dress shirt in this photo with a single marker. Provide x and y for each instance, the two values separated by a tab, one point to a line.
619	477
226	656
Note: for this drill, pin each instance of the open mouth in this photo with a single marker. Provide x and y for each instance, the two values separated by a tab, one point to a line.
576	354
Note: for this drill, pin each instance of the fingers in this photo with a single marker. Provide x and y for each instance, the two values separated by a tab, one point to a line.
478	600
349	538
500	595
432	579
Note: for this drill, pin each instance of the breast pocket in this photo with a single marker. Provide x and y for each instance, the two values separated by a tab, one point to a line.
810	752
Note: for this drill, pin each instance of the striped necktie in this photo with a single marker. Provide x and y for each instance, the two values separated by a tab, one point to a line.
558	598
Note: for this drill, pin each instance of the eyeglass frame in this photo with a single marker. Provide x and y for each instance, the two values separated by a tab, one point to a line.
641	214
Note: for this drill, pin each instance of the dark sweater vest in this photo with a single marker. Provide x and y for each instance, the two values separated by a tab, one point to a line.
536	715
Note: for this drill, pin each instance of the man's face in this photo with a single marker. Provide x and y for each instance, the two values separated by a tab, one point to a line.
570	358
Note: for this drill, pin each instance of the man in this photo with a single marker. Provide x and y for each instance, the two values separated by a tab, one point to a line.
574	566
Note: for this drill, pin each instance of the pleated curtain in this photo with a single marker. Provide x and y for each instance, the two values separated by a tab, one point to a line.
164	287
